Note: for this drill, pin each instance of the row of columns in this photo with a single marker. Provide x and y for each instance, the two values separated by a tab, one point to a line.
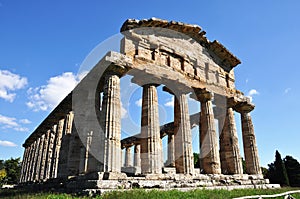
227	160
41	158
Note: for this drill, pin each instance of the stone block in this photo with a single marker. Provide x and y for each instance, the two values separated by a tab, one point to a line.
169	170
114	176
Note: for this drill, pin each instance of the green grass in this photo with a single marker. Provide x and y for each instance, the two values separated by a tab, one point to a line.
139	193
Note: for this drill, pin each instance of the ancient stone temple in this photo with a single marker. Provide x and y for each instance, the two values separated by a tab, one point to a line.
79	144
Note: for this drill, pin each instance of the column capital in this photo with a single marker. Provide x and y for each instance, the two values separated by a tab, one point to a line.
244	107
204	95
115	69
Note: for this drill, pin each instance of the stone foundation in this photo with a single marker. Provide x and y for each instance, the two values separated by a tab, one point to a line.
100	182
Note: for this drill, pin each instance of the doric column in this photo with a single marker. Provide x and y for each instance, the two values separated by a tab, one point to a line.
231	161
171	151
249	141
32	159
35	159
44	156
24	164
184	159
57	145
84	154
128	159
111	124
150	132
137	158
209	152
27	172
62	170
49	161
40	157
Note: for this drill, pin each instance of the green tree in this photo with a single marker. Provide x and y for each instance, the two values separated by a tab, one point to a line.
13	170
293	170
244	166
277	171
1	164
2	177
264	172
196	160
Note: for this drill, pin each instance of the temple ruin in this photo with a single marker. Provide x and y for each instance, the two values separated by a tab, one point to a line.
79	143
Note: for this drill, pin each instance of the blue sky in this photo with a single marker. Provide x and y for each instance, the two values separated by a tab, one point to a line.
43	43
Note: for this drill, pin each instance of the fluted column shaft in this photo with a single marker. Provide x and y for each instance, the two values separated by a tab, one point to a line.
24	164
231	162
49	161
44	156
150	132
209	152
29	159
62	170
171	151
40	157
57	141
250	147
128	159
137	156
35	159
184	159
32	166
111	124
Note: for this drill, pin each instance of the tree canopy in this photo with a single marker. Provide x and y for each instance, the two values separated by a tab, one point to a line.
293	170
285	172
10	171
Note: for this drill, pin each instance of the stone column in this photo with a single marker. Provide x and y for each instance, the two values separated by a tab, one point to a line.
137	158
62	171
209	152
171	151
150	132
44	156
184	159
231	161
111	124
249	141
32	166
84	157
24	164
35	159
49	161
128	159
27	171
57	141
39	160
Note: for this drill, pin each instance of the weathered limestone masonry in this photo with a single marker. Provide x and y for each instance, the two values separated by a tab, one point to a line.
79	144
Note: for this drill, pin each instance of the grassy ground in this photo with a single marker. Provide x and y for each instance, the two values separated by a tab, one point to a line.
138	193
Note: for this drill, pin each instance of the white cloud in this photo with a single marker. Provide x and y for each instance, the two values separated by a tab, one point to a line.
139	102
287	90
8	121
11	123
21	129
7	143
25	121
48	96
123	111
170	102
10	82
251	93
